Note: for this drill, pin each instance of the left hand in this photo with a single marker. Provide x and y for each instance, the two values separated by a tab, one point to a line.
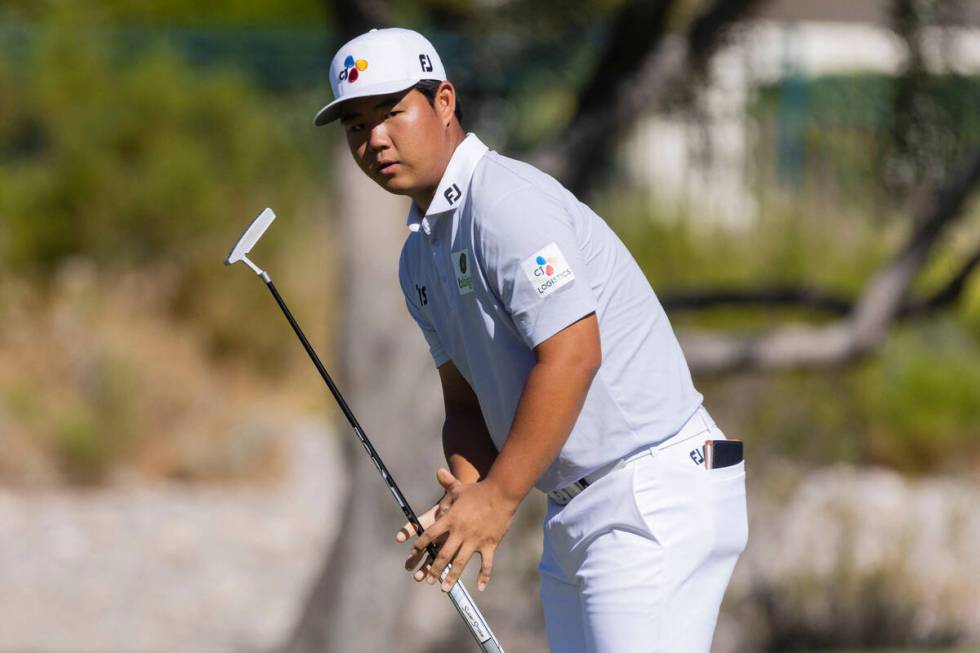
476	521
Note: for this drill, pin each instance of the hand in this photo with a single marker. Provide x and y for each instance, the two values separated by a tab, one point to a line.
426	519
475	521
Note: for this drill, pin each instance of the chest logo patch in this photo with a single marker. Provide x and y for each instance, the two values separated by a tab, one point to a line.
547	270
464	275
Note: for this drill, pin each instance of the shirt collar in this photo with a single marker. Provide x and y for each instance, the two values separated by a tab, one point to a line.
452	187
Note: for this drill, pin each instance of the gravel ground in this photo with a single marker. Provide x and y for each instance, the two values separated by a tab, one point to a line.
168	567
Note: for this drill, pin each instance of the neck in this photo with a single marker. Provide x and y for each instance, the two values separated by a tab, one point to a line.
423	198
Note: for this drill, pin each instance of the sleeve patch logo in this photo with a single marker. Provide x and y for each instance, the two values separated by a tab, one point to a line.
548	270
464	275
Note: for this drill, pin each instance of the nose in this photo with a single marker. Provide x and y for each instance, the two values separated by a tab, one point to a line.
378	138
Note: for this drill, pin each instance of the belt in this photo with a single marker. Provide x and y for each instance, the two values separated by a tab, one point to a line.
698	423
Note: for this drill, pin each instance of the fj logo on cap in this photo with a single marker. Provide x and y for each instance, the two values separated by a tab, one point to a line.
426	63
452	194
351	66
464	277
548	270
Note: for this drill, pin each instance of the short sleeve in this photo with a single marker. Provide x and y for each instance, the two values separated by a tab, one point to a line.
535	261
436	350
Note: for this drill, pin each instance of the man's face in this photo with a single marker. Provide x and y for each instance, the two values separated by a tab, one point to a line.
398	140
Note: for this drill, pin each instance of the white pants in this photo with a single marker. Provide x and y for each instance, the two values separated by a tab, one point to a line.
639	561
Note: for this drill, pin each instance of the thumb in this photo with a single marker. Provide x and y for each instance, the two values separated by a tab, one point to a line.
446	478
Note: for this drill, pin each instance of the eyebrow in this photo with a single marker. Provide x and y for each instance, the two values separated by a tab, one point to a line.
390	102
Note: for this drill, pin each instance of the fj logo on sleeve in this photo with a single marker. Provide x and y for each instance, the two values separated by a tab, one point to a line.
548	270
464	275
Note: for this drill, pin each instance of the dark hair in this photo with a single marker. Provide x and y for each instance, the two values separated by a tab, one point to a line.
428	88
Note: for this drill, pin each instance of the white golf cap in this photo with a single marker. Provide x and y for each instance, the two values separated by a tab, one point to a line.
379	62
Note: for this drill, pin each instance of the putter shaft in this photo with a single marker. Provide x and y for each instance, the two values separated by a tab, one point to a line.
459	596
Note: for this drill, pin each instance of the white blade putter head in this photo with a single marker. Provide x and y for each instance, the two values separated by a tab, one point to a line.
248	240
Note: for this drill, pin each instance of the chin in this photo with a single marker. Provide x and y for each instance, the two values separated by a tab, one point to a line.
396	184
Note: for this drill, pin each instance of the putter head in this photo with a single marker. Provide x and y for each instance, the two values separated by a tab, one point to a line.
250	237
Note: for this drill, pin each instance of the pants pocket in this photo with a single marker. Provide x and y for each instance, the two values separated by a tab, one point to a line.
726	489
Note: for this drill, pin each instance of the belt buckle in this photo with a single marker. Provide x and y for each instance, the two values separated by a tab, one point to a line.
563	495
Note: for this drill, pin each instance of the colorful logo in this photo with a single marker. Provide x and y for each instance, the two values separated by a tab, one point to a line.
548	264
548	270
351	66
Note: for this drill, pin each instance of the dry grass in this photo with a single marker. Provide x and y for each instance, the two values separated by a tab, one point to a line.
99	383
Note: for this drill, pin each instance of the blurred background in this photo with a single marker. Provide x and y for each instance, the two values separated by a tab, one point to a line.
795	177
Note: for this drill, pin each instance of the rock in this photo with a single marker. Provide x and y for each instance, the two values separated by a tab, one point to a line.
856	557
168	567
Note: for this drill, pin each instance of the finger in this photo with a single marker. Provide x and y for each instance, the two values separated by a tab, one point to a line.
423	572
427	518
431	534
416	556
486	568
459	563
414	559
446	554
405	532
446	479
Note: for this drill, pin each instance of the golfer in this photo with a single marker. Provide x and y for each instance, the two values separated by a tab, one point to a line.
559	371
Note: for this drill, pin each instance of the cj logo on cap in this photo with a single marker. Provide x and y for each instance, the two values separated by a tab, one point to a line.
426	63
351	66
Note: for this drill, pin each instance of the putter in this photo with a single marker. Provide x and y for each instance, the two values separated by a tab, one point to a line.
458	595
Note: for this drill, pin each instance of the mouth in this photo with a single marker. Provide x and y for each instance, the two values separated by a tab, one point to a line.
386	167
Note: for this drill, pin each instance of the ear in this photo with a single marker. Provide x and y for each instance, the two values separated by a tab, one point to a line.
445	102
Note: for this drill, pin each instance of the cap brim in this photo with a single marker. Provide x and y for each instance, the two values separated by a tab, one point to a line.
331	112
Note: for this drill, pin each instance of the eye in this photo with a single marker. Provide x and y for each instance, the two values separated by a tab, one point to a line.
354	128
393	113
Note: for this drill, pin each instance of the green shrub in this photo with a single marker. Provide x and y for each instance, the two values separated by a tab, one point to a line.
134	158
131	161
83	447
923	399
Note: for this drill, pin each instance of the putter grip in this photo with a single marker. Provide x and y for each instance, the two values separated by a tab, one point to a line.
474	618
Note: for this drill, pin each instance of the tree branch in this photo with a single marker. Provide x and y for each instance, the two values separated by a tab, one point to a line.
947	295
815	299
353	17
865	327
777	297
656	75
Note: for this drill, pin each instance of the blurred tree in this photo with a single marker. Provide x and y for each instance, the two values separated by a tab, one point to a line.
652	73
884	299
219	13
358	570
926	163
918	143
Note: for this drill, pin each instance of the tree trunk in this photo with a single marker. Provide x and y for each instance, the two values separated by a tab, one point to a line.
363	600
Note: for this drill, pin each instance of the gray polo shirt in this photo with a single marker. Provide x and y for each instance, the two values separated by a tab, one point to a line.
506	257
